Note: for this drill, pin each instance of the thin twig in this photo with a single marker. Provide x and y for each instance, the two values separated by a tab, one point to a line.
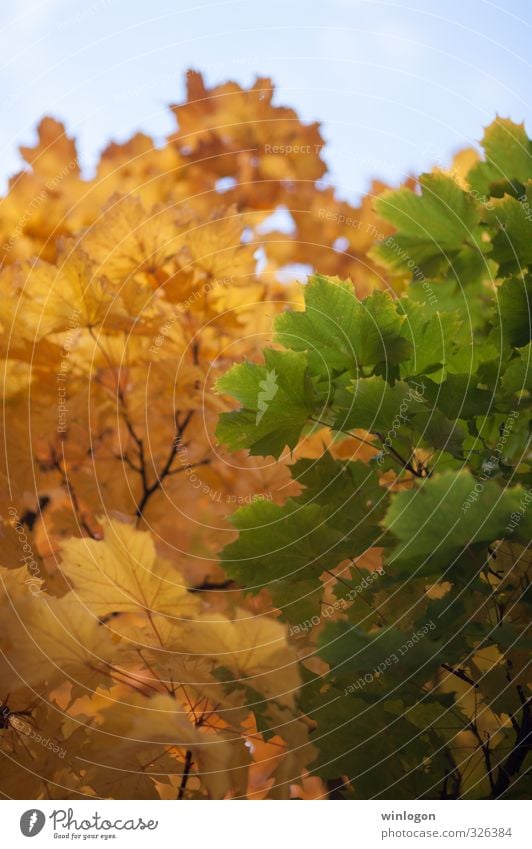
186	774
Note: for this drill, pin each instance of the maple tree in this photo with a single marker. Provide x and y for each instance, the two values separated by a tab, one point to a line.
403	563
134	664
124	296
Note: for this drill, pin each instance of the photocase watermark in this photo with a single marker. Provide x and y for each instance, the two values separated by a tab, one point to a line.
95	826
348	220
413	267
65	820
287	149
391	660
182	307
339	604
28	558
490	465
32	822
82	15
62	373
388	241
268	391
400	418
438	165
215	495
35	203
525	206
245	499
25	728
517	516
480	197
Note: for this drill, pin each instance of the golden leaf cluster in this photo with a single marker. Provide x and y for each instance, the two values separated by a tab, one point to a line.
130	668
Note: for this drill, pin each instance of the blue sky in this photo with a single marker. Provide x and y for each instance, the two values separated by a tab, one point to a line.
398	86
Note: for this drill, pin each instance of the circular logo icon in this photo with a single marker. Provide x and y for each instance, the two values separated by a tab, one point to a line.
32	822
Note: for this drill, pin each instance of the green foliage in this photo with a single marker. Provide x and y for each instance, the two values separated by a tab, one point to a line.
262	426
433	227
341	333
428	690
508	160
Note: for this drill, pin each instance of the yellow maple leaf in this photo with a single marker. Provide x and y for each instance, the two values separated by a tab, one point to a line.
253	648
123	574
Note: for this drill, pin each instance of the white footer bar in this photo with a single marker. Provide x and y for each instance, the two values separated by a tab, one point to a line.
266	824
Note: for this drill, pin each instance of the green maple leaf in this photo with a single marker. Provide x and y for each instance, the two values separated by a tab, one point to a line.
276	399
446	515
432	227
342	333
508	162
512	242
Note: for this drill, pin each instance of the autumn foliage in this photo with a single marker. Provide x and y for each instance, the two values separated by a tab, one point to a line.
402	564
134	662
124	297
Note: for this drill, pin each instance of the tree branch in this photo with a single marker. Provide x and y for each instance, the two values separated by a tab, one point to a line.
186	775
150	489
460	674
